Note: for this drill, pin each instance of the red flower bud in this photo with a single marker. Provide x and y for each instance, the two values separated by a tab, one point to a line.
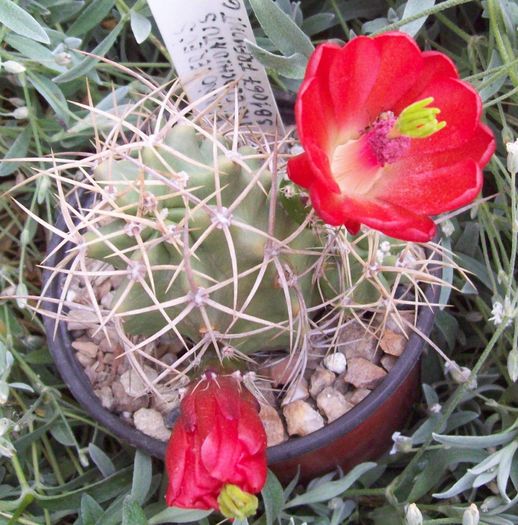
217	440
391	136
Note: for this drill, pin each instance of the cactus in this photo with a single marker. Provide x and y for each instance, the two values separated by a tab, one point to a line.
207	240
204	225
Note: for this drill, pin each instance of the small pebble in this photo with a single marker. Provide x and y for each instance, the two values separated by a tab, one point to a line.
363	374
302	419
125	403
151	422
134	385
279	371
296	391
336	362
166	400
332	403
398	322
81	319
105	394
319	380
388	362
354	340
273	426
357	396
84	359
86	347
393	343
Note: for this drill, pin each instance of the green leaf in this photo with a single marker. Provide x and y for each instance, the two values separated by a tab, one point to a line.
101	460
292	66
464	483
142	472
281	29
140	26
414	7
34	51
65	12
512	364
88	63
18	149
273	498
331	489
21	22
504	468
448	326
91	511
317	23
177	515
90	17
62	433
435	467
132	513
101	491
476	442
447	276
475	267
52	94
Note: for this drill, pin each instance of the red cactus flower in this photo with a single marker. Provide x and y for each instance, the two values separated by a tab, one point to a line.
216	456
375	151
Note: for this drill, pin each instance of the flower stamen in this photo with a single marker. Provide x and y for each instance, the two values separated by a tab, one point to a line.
418	121
236	503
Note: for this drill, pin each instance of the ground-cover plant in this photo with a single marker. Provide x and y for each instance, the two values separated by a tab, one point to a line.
62	462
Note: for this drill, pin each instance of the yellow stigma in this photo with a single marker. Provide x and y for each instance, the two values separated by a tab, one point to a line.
418	121
235	503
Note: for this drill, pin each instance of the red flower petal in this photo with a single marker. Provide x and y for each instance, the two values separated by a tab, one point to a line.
480	147
432	192
351	78
220	450
385	217
435	66
311	110
302	171
344	93
254	472
175	462
217	439
460	107
400	66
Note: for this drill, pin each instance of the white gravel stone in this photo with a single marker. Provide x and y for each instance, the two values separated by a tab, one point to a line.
105	394
336	362
363	374
319	380
273	426
393	343
357	396
355	340
302	418
296	391
81	319
388	362
86	347
133	384
332	403
151	422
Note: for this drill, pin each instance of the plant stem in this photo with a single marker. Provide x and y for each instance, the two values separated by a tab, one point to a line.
341	19
500	44
427	12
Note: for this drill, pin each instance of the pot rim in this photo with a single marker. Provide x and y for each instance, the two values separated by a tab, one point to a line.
79	385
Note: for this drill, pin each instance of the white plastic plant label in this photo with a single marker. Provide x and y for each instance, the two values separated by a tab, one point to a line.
206	41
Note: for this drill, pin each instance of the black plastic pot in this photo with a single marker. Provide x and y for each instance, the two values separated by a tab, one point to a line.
361	434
